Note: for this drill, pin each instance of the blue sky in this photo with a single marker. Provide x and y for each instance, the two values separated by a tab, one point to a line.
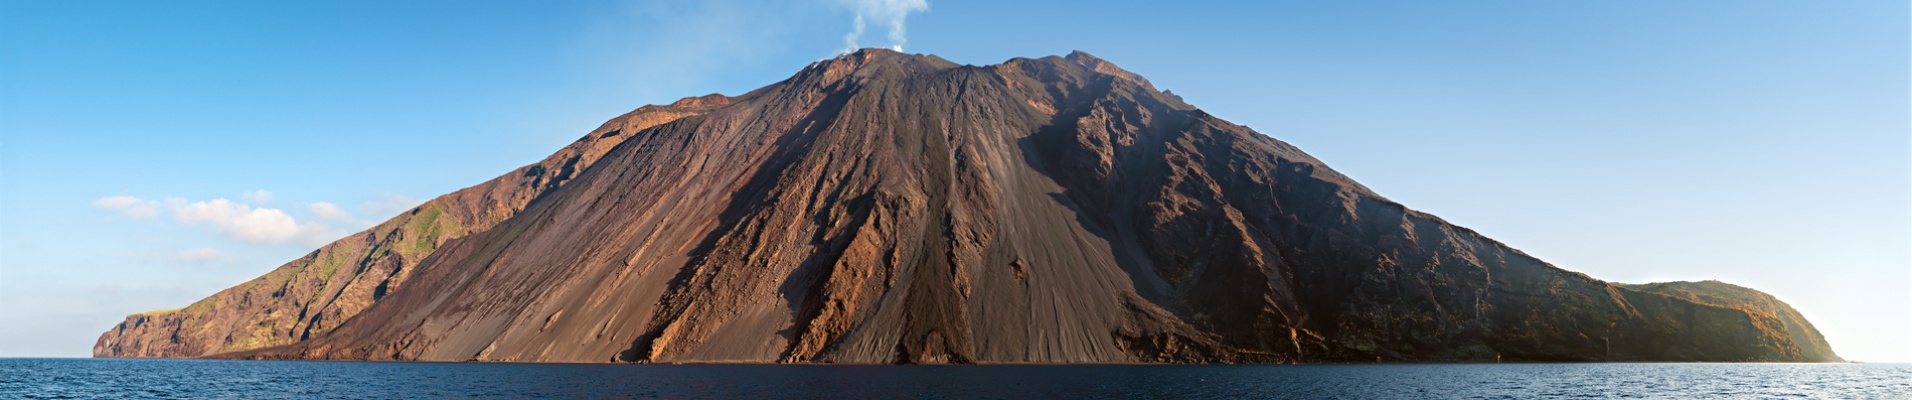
1763	143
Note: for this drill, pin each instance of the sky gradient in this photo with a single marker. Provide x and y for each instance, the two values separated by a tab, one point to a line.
152	153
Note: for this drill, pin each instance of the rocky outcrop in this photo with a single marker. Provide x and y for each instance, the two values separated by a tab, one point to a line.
889	208
1760	306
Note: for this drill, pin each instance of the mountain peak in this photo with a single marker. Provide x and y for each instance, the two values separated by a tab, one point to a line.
873	52
1081	56
829	71
709	100
869	55
884	207
1104	67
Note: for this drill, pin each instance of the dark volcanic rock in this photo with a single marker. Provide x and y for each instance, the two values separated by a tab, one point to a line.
891	208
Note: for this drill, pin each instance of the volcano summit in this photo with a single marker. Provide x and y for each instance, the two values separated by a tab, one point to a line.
882	207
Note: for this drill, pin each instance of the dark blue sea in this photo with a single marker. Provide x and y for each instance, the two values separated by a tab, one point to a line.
107	378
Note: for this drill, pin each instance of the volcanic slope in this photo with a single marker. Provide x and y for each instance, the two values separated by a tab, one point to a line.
881	207
313	294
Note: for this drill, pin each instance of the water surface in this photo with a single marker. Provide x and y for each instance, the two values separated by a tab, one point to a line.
118	378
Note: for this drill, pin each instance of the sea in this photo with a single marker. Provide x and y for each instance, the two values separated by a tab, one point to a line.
43	378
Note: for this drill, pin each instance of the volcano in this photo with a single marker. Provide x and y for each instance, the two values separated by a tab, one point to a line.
882	207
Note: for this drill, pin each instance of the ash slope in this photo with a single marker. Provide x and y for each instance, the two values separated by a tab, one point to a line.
891	208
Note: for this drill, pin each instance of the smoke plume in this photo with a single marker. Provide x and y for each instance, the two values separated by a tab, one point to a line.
884	14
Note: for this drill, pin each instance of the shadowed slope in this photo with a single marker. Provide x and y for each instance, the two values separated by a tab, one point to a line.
1811	344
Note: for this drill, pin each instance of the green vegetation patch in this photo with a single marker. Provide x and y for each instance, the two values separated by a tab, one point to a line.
158	312
425	230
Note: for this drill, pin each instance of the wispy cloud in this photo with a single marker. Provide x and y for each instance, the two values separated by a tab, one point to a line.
887	14
129	206
245	221
330	212
664	50
390	205
257	197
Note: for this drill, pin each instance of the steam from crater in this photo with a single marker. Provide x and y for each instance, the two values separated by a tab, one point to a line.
883	13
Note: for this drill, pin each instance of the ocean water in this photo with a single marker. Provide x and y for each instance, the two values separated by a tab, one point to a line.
106	378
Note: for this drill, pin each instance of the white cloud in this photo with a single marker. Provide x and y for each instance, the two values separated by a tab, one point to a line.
330	212
246	222
885	13
197	256
257	197
129	206
258	225
251	224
